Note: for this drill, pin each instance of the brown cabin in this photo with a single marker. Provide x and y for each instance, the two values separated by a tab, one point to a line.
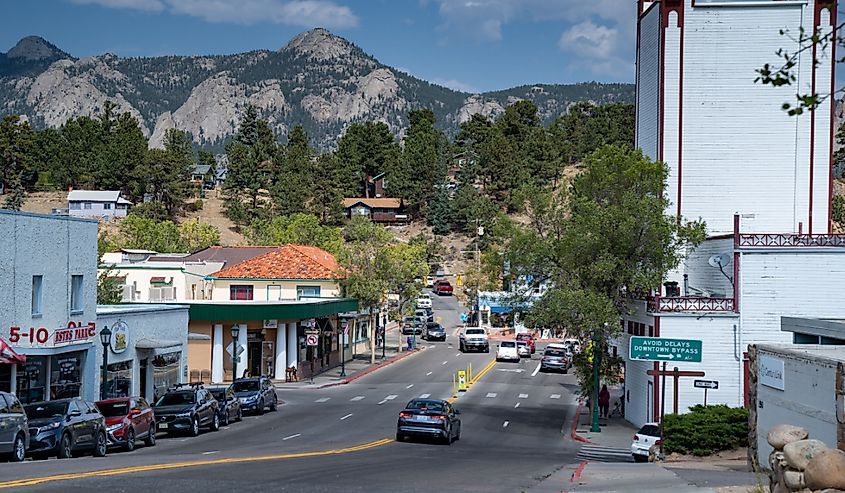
380	210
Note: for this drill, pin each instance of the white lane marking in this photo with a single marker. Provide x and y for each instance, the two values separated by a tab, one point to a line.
512	370
322	399
458	354
444	362
523	396
425	396
409	386
554	396
429	373
505	424
382	402
348	415
292	436
391	397
211	452
491	395
517	405
357	398
536	370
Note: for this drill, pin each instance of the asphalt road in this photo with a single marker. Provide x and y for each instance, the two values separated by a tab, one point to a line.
341	438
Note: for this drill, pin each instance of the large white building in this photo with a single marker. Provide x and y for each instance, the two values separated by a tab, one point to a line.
760	179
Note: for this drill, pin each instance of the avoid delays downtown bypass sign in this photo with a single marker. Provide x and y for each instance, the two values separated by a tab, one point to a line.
660	349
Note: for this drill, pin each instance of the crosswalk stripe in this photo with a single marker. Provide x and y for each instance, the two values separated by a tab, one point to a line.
322	399
357	398
523	396
599	453
491	395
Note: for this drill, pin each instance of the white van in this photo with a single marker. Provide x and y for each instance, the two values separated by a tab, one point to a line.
507	351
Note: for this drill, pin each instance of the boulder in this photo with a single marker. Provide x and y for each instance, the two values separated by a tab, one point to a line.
793	480
780	435
826	470
780	488
798	454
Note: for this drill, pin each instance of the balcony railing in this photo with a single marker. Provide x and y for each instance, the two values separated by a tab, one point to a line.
788	240
689	304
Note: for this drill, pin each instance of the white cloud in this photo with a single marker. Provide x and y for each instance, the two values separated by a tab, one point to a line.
456	85
306	13
590	39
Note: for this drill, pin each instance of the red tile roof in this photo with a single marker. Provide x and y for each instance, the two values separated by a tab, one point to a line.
287	262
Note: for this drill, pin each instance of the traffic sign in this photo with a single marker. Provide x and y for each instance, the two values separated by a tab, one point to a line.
663	349
229	349
311	339
706	384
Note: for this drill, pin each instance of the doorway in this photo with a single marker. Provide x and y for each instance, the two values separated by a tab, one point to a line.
142	379
254	357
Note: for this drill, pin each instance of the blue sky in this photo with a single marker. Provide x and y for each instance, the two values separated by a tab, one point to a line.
473	45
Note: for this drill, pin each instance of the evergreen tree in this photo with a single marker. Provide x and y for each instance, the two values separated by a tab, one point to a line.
423	163
440	212
250	155
328	190
16	151
365	149
294	183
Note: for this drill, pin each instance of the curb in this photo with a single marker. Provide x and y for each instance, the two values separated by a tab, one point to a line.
573	433
370	370
576	476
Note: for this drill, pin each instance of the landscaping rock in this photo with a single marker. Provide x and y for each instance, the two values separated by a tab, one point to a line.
793	480
826	470
798	454
780	435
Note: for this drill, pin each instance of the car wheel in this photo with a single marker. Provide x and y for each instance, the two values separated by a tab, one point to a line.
448	440
274	405
640	458
150	441
226	418
487	349
458	436
195	427
100	446
215	422
261	409
65	447
129	446
400	437
18	449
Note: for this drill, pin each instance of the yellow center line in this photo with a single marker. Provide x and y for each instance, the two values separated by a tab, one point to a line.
476	378
179	465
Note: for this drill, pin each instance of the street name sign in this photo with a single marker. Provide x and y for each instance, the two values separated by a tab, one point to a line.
664	349
706	384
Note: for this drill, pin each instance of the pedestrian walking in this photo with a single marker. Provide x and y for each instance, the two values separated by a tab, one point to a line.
604	401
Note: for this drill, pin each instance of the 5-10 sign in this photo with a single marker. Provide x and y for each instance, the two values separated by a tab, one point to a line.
35	336
75	332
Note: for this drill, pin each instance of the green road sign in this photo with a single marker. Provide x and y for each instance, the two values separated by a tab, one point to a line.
662	349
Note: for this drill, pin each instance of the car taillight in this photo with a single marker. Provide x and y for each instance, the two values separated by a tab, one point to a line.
405	415
439	417
658	441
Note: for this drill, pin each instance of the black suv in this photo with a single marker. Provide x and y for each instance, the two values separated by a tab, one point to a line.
65	426
186	408
434	332
256	394
228	404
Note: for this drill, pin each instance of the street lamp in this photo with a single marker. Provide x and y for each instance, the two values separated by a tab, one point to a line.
594	427
235	330
105	339
344	325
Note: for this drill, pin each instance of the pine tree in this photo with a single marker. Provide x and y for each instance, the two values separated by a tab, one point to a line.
16	152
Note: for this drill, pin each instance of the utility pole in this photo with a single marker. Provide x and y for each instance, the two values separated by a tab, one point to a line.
594	353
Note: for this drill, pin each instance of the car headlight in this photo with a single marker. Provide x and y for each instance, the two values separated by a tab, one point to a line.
115	427
51	426
183	415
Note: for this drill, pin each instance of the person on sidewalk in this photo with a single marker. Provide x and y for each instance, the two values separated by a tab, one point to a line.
604	401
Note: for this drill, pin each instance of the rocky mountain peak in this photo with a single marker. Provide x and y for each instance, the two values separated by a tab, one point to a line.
35	48
320	44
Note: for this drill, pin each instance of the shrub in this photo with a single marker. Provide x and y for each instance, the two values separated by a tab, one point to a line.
838	210
706	430
197	205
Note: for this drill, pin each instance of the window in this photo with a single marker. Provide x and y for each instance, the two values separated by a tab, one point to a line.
37	285
307	292
75	206
86	205
651	331
107	206
240	292
77	298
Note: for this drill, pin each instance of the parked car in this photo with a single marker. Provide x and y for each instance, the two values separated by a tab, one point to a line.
256	394
574	345
424	301
442	288
228	404
507	351
429	281
64	427
434	332
523	349
14	428
556	359
429	418
529	339
414	325
644	439
424	314
128	419
185	408
474	338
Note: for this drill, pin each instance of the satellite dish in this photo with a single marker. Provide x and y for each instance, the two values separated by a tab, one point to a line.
719	261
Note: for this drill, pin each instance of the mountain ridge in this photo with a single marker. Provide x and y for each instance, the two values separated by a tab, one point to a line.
317	79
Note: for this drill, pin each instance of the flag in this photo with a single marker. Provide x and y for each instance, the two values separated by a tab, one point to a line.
9	356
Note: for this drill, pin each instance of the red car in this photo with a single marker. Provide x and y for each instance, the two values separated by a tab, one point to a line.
529	339
128	419
442	287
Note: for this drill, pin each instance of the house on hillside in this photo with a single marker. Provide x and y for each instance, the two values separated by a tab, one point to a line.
97	203
375	185
379	210
202	175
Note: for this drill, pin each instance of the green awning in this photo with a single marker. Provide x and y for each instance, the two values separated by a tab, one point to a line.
271	311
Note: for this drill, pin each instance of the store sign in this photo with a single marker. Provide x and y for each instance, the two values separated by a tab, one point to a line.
770	372
271	324
119	337
74	333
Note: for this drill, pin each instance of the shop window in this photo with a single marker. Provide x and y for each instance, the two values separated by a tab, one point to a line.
165	372
240	292
77	298
32	379
86	206
37	287
119	379
5	378
66	375
307	292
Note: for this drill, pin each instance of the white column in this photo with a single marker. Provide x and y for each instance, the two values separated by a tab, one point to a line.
242	362
292	345
217	354
281	351
13	385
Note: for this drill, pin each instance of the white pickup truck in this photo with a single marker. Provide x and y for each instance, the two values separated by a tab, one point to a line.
474	339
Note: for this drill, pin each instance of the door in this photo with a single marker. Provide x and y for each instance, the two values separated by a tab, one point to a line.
254	356
206	410
6	426
268	354
142	367
78	425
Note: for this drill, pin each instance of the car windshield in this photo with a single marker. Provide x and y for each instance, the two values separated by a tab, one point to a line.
46	410
555	352
508	344
475	331
425	405
521	343
649	430
176	399
246	386
109	409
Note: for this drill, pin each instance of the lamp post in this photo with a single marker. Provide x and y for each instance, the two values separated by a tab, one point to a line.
105	339
235	330
594	427
344	328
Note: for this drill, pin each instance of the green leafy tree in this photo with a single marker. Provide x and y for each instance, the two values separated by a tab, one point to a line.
16	151
403	263
587	127
196	235
143	233
298	229
167	174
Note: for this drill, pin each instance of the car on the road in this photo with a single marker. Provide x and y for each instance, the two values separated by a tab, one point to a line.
525	336
128	419
256	394
434	332
228	404
643	440
432	418
507	351
424	314
424	301
556	359
413	325
64	427
186	408
474	339
442	288
523	349
574	345
14	428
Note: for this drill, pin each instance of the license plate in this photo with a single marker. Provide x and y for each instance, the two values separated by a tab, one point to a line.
162	426
425	418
